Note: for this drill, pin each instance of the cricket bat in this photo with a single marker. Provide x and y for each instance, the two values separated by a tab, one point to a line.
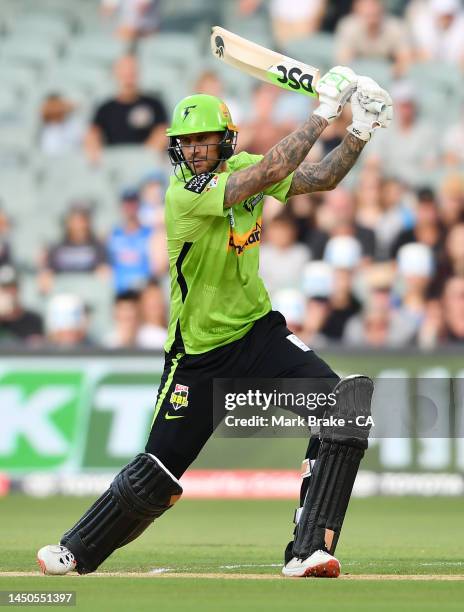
263	63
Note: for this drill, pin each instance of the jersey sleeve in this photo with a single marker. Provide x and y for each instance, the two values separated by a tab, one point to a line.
194	205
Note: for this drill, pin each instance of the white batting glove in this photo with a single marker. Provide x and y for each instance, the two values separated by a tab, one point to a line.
335	89
372	108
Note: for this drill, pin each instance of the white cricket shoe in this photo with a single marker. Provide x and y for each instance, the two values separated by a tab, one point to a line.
320	564
56	560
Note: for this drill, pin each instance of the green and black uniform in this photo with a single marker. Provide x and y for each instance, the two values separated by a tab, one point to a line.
221	323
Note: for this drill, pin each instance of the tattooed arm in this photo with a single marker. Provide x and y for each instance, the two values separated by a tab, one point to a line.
327	173
276	165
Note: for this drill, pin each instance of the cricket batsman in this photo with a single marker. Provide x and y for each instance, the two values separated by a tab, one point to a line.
222	326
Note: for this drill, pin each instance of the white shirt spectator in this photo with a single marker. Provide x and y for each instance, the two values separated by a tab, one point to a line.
437	28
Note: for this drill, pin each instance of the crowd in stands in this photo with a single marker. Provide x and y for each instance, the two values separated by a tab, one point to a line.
378	262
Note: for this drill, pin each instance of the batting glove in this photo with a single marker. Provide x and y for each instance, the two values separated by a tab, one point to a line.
335	89
372	108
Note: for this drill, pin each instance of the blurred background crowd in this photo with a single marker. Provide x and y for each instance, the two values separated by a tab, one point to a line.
87	91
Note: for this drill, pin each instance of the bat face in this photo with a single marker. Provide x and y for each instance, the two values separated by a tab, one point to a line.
263	63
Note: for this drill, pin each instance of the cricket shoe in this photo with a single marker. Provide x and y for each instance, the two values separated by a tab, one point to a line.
56	560
320	564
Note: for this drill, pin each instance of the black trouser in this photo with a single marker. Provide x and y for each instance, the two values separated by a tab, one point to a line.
183	420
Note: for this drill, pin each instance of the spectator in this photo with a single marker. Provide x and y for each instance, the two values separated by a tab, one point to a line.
318	286
343	254
131	117
281	257
5	249
296	19
126	319
379	325
136	18
396	217
67	322
368	33
153	331
453	143
453	309
428	229
452	261
129	246
415	270
79	251
452	200
437	27
337	217
408	149
262	129
16	322
291	303
208	82
61	130
152	190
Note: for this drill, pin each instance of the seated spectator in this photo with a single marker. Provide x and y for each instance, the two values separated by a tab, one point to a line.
296	19
67	322
281	257
451	198
153	331
453	309
343	254
379	324
453	143
79	250
209	82
17	324
369	33
318	287
152	191
136	18
61	131
428	229
131	117
437	27
291	303
126	318
261	130
408	149
129	246
337	217
396	216
416	267
5	249
452	260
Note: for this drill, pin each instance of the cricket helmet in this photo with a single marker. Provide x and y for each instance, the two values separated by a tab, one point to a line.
193	115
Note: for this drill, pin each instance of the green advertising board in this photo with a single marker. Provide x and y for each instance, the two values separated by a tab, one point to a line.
93	413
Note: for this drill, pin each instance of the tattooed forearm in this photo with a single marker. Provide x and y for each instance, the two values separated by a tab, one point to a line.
277	164
327	173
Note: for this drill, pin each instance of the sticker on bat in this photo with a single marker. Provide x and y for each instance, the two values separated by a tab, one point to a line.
293	77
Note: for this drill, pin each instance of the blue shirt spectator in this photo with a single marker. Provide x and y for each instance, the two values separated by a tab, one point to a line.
128	247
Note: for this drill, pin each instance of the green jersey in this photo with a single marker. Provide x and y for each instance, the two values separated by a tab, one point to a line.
216	291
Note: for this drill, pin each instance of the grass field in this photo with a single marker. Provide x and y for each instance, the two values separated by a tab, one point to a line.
226	555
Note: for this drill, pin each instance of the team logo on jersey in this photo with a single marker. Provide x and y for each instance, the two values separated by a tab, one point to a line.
245	241
179	397
198	183
213	183
250	203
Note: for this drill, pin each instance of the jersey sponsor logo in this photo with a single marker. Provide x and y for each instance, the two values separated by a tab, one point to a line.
179	397
297	342
245	241
198	183
169	417
250	203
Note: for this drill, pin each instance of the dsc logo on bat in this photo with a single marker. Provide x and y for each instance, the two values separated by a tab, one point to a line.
292	76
